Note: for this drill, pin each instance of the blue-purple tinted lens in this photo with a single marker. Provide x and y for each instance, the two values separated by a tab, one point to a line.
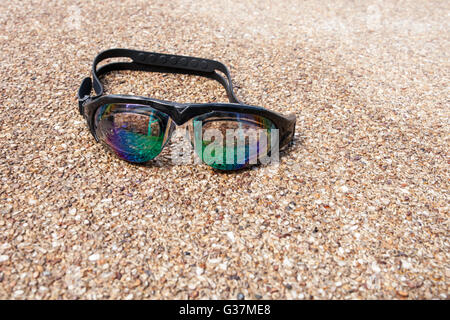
136	133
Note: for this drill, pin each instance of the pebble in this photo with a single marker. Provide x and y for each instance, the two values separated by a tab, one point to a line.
199	271
18	293
94	257
230	236
403	294
375	267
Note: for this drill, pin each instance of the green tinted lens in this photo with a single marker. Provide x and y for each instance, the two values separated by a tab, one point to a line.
229	140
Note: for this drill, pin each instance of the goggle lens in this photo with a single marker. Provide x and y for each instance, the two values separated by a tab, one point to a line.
231	141
136	133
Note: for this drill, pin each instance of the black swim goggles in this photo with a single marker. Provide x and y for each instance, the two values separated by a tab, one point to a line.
226	136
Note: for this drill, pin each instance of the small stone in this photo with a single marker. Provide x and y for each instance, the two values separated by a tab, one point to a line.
375	267
403	294
94	257
230	236
5	246
199	271
414	284
115	213
234	277
43	289
341	263
287	262
136	284
291	206
18	293
223	266
240	296
406	264
4	258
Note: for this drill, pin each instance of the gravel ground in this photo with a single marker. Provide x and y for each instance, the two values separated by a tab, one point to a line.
358	207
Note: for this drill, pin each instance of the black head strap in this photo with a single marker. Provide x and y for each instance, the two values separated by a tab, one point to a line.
155	62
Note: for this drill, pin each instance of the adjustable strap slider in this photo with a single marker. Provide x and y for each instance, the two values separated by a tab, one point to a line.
81	103
84	93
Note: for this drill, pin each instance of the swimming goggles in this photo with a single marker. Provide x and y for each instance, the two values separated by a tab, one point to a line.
226	136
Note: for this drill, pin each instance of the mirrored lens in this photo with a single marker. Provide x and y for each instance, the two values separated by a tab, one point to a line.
231	141
136	133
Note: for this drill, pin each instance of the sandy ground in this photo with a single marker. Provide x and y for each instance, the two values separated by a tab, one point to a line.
358	207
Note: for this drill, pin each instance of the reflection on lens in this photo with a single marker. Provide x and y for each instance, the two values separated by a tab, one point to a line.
136	133
231	141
